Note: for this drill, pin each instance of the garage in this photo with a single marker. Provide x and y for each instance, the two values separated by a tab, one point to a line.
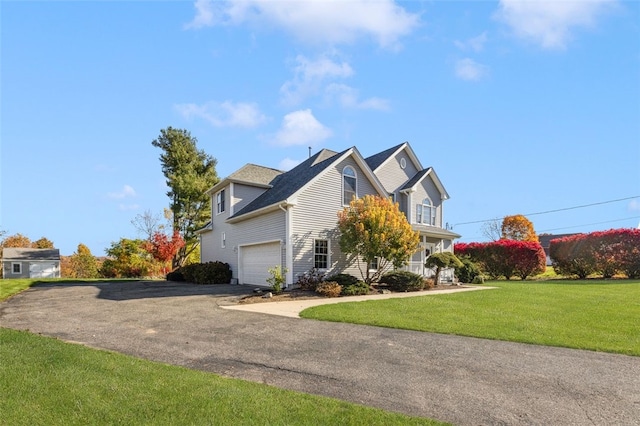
43	270
255	261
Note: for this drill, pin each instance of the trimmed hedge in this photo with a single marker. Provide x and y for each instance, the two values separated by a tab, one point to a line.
605	253
203	273
505	258
360	288
403	281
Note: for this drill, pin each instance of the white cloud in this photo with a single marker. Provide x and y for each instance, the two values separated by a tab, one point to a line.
474	43
125	192
288	164
348	97
204	15
315	21
310	75
549	23
469	70
634	205
224	114
301	128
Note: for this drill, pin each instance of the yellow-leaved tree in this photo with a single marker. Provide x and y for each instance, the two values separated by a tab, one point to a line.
519	228
375	232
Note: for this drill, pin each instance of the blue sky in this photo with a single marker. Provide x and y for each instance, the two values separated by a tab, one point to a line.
521	107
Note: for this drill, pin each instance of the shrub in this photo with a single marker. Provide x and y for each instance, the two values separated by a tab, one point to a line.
310	279
478	279
276	278
468	271
359	288
505	257
429	283
403	281
329	289
343	279
441	261
176	276
206	273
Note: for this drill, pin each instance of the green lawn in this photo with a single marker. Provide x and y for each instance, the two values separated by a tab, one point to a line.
595	315
44	381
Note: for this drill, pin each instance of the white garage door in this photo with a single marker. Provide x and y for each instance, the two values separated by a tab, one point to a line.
43	270
256	260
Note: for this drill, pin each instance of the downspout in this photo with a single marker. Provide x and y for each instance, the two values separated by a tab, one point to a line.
288	244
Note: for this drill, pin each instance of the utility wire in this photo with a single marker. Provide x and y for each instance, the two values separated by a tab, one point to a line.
589	224
556	210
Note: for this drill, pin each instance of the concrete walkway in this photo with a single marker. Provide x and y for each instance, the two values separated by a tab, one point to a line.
292	309
461	380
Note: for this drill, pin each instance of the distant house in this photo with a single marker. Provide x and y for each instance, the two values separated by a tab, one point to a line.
264	217
30	263
545	242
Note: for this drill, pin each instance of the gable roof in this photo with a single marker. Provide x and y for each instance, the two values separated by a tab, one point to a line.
284	186
249	174
18	254
420	176
378	160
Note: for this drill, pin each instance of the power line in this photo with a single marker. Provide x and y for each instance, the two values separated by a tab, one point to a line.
557	210
589	224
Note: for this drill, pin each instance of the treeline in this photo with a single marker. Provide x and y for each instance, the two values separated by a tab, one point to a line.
607	253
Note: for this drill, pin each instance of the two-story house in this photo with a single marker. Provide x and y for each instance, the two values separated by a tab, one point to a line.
264	217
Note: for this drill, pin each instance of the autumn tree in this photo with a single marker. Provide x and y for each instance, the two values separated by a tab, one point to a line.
375	231
163	249
16	241
128	259
519	228
190	172
83	264
43	243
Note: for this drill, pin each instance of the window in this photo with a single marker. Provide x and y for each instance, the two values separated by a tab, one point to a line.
223	238
16	268
403	162
220	201
373	266
348	185
321	254
426	213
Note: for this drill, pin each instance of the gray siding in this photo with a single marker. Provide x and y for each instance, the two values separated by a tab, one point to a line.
427	189
393	176
315	216
267	227
243	195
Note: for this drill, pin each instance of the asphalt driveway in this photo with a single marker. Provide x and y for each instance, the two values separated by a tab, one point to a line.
465	381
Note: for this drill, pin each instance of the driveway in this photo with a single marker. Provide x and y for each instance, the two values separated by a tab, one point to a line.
465	381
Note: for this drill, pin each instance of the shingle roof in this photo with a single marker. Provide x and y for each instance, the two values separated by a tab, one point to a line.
286	184
252	173
377	159
415	179
30	254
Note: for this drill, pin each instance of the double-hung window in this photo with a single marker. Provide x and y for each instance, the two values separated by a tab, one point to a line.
349	184
220	198
321	254
16	268
426	213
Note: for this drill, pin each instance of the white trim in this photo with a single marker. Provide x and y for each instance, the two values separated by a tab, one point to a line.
223	239
221	201
328	254
412	155
13	272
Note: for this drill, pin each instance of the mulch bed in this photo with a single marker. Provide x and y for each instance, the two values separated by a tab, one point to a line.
298	294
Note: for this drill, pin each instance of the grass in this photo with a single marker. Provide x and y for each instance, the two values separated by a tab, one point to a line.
594	315
46	381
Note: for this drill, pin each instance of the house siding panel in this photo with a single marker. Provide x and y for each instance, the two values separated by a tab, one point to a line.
315	216
392	176
267	227
243	195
